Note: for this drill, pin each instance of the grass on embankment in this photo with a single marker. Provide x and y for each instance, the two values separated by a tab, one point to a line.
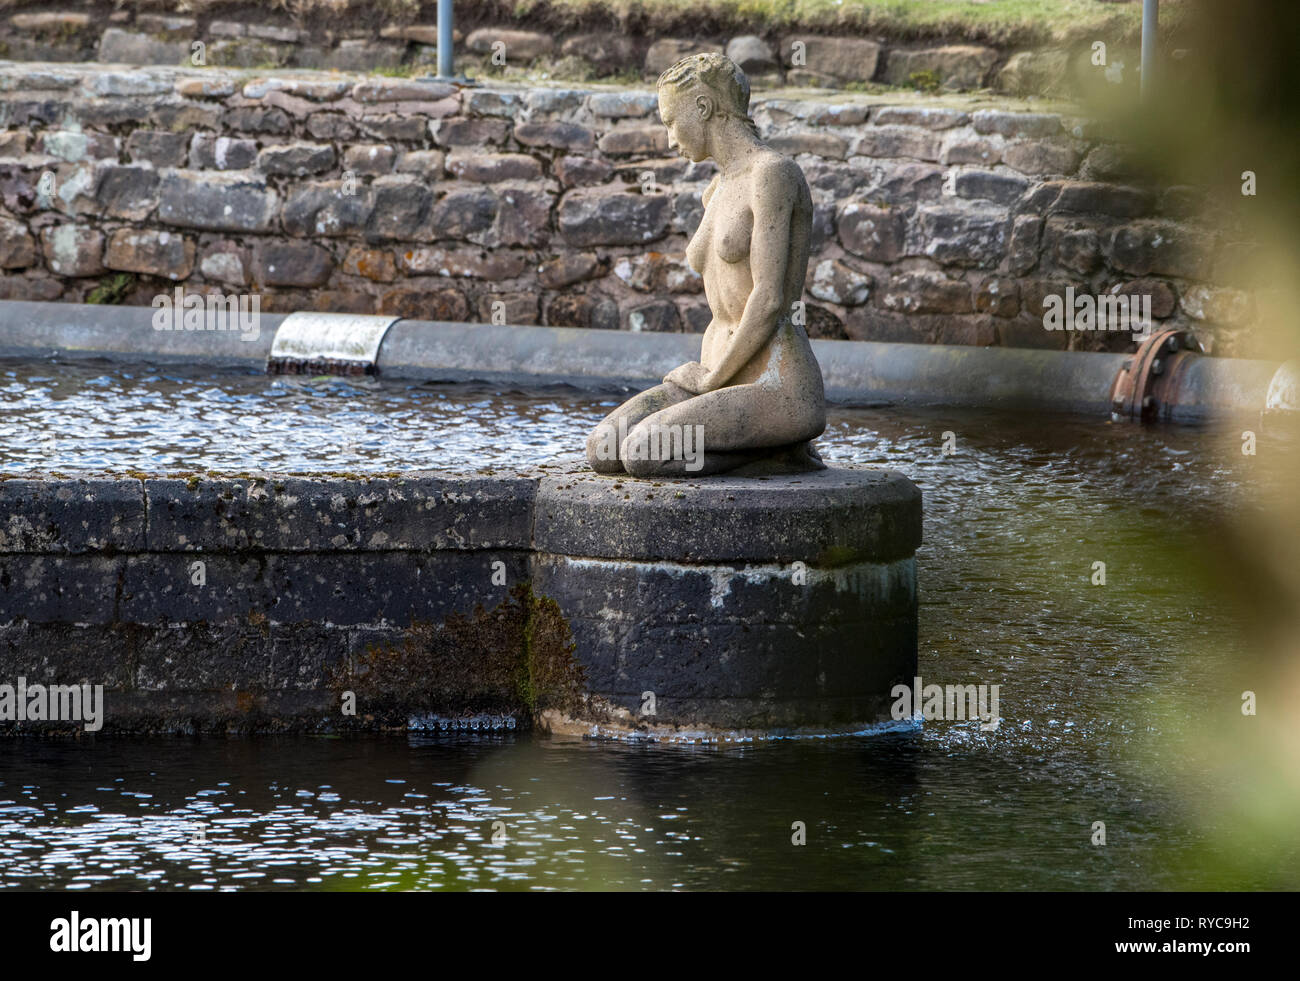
996	21
1024	22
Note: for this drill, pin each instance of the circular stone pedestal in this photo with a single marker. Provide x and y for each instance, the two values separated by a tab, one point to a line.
767	605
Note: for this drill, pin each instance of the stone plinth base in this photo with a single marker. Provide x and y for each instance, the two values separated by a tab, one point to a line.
759	604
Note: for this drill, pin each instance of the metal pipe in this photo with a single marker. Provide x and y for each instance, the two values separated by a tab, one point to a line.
122	333
445	55
1183	385
1211	385
941	374
1150	29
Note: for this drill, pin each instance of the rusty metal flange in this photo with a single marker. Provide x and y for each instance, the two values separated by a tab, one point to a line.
1146	386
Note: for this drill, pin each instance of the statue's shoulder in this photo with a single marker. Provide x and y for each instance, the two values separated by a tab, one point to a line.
775	171
777	164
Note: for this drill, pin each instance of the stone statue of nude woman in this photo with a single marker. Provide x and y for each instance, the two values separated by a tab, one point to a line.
755	398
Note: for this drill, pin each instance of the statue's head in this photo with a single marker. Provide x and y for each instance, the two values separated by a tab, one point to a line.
699	92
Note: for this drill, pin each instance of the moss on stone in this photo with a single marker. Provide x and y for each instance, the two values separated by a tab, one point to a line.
398	71
112	289
516	658
551	676
925	80
836	555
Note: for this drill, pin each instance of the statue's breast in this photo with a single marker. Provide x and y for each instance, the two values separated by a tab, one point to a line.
734	231
726	229
697	248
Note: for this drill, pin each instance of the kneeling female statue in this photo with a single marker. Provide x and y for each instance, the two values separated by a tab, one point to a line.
755	398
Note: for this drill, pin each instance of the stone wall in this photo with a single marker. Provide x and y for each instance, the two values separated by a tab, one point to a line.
356	35
936	220
258	601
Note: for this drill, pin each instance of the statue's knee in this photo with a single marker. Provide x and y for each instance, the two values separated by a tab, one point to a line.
638	455
602	450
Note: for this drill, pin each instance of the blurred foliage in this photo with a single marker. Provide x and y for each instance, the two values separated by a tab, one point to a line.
1228	105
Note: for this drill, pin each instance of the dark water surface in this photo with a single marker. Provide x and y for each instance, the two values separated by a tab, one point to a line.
1092	677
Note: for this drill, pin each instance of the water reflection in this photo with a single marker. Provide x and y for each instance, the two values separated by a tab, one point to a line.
1015	520
893	812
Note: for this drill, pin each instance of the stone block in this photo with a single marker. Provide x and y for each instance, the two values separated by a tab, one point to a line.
213	202
600	217
164	254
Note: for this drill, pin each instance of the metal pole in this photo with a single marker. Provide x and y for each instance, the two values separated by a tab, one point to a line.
1149	32
445	44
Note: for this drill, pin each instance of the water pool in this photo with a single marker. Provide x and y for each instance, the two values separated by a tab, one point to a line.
1094	679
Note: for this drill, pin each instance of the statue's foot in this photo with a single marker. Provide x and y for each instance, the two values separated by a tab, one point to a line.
771	461
797	458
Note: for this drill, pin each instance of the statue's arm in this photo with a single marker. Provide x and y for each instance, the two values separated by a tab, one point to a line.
769	250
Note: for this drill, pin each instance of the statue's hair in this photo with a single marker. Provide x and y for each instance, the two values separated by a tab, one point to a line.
720	76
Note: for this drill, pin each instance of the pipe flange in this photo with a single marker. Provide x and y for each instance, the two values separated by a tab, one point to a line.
1144	381
1284	389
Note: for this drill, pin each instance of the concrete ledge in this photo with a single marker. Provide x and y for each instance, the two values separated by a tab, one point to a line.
258	602
830	517
72	516
460	351
294	514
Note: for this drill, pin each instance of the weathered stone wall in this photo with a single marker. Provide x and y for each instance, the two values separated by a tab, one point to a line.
936	221
257	601
235	602
355	35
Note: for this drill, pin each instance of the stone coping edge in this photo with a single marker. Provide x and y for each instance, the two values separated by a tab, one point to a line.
827	518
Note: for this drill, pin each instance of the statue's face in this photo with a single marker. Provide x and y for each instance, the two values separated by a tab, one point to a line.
685	115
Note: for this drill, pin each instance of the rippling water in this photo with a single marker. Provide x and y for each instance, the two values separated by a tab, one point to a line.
1014	520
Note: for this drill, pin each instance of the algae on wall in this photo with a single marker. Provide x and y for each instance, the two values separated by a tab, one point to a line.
517	657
